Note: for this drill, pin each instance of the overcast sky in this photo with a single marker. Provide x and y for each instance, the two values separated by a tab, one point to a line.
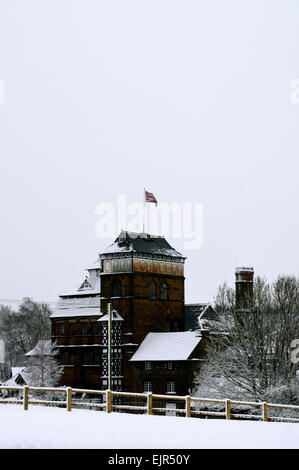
189	99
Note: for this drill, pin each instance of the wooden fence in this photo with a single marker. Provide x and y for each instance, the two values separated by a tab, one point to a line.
148	403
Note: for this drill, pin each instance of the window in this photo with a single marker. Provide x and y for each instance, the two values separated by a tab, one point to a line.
117	385
62	358
85	328
170	387
116	289
147	386
71	358
152	290
96	357
72	329
169	365
104	384
148	365
86	357
85	285
95	328
164	291
105	353
61	329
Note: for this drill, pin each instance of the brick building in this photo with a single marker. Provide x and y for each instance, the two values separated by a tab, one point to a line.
142	278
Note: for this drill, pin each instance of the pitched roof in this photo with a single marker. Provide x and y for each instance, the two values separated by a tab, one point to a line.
83	290
77	307
196	313
19	379
114	316
42	348
176	346
133	242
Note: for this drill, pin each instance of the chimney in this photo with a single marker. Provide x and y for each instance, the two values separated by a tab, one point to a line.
244	287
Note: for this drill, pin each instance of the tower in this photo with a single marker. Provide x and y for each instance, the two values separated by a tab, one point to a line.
244	287
142	276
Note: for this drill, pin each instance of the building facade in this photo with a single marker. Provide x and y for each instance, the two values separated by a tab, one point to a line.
141	277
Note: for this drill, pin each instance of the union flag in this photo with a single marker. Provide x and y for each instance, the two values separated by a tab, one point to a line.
149	197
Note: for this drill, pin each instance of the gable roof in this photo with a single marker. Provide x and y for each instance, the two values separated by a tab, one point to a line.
133	242
19	379
42	348
114	316
195	314
176	346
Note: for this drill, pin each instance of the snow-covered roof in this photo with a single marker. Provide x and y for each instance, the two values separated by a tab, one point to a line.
196	314
77	307
133	242
80	290
16	370
42	348
95	265
176	346
114	316
19	379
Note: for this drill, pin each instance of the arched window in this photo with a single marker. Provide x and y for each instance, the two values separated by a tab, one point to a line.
164	291
152	290
116	289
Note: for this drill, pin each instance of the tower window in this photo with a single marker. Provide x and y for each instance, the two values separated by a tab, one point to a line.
152	290
164	291
116	289
147	365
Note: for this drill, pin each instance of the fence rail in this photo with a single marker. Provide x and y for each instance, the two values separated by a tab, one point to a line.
148	403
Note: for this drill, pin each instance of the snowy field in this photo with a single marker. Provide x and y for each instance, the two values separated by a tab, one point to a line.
55	428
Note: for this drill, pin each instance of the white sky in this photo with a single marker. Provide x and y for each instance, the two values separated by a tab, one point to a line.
190	99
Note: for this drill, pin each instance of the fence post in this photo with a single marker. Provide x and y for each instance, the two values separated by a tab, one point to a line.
188	406
227	408
149	403
69	399
25	397
265	412
108	401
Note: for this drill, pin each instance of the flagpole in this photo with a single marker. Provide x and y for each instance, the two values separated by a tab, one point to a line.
143	227
109	348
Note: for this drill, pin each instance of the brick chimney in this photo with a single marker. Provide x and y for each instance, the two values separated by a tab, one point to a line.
244	287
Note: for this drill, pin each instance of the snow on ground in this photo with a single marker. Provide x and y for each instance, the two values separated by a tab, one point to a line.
55	428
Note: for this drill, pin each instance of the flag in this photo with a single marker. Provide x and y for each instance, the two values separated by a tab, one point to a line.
149	197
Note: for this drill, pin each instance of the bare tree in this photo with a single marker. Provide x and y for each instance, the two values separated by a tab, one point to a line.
249	354
21	330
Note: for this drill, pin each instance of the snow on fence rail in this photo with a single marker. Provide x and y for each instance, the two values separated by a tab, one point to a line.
148	403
